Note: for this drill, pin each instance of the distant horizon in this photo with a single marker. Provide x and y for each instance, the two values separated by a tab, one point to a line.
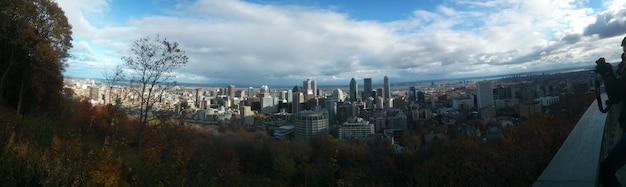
375	83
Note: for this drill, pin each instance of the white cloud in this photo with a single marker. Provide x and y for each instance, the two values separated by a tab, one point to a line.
240	42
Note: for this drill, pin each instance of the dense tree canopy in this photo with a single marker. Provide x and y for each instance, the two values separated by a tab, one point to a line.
36	38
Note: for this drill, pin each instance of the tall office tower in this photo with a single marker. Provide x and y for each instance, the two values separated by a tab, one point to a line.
484	94
297	102
268	104
264	90
197	101
367	88
314	87
250	92
283	95
310	124
387	88
231	91
354	90
380	92
289	96
338	94
412	94
421	97
310	89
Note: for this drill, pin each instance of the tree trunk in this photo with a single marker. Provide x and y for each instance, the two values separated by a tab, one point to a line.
142	122
5	75
20	101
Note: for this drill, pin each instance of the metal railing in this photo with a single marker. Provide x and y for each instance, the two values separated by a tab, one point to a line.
578	160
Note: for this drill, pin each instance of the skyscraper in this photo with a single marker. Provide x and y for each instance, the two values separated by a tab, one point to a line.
387	88
484	94
367	88
310	89
231	91
354	90
412	94
250	92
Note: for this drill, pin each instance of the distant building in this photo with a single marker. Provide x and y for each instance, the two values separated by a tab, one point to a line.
412	94
310	124
484	94
547	101
268	104
284	132
397	122
94	93
356	128
387	88
354	90
367	89
463	103
528	110
231	91
421	97
247	116
297	103
310	89
484	99
250	92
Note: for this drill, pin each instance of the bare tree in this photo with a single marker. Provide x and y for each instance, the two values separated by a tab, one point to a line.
116	76
152	65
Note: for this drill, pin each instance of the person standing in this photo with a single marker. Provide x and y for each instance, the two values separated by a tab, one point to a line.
615	86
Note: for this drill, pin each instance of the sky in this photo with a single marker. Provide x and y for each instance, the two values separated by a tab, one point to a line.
283	42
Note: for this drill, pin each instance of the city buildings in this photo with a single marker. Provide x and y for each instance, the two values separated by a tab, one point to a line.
310	89
387	88
354	90
356	128
367	89
311	123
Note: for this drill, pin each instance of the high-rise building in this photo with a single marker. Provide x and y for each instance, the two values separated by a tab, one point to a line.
310	124
367	88
297	102
380	92
289	96
310	89
250	92
268	104
412	94
197	101
264	90
354	90
484	94
387	88
231	91
421	97
338	94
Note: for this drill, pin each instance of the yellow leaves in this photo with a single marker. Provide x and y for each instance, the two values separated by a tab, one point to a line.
107	170
106	174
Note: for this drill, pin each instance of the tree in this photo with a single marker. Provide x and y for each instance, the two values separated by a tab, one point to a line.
113	78
36	38
152	66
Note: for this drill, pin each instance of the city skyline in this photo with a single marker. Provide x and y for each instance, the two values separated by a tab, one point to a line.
285	42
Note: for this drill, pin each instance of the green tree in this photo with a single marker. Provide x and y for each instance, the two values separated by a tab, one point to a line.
152	65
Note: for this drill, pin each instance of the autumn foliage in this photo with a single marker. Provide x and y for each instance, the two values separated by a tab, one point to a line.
96	145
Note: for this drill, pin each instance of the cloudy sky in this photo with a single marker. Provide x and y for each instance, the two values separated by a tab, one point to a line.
283	42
